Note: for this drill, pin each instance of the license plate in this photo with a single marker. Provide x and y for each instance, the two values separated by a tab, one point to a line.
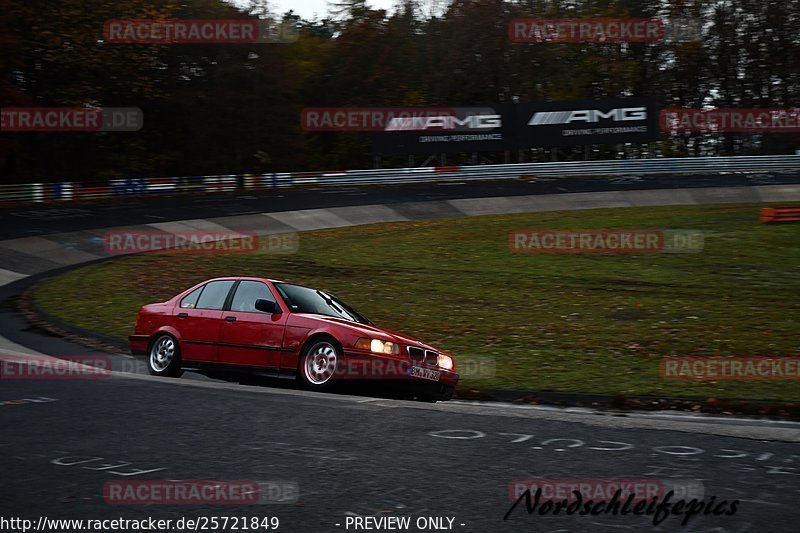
425	373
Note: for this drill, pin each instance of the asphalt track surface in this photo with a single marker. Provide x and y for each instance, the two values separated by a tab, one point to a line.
358	456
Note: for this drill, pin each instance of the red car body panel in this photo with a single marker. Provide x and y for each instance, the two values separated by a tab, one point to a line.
252	339
200	331
257	340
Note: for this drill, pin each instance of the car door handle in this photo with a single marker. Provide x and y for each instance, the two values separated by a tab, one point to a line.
230	318
183	315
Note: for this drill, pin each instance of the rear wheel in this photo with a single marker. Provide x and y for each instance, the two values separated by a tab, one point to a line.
318	364
164	357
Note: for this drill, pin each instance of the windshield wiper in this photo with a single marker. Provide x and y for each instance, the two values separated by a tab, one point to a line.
356	315
331	303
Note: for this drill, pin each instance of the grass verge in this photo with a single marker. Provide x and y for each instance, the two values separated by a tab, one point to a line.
572	323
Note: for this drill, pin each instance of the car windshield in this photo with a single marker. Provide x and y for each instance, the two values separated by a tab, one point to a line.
305	300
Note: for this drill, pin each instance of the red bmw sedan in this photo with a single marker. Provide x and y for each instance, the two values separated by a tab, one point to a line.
279	329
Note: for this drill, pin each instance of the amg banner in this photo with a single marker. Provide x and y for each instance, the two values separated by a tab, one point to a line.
457	129
611	121
509	127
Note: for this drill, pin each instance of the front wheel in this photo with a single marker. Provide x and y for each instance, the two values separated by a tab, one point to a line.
164	357
318	364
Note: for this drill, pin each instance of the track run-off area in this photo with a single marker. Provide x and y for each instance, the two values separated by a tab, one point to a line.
341	462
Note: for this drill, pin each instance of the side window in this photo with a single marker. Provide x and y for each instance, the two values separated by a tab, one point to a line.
214	295
246	295
190	300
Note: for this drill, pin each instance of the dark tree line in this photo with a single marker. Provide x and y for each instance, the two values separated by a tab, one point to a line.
235	108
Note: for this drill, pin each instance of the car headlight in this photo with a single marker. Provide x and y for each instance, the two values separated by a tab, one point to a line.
377	346
445	361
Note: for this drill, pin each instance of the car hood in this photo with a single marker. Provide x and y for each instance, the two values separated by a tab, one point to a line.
370	331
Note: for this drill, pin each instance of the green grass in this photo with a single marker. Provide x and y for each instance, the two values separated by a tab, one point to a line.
550	322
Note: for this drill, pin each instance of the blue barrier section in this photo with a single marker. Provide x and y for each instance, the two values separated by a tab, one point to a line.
126	186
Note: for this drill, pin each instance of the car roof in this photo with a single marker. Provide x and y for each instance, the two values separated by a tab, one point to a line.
251	278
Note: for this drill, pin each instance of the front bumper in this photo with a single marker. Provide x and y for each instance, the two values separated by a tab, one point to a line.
435	390
366	366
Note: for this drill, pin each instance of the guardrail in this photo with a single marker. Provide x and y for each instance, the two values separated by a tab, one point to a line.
65	191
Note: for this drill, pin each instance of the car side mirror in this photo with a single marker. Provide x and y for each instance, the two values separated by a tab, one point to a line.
267	306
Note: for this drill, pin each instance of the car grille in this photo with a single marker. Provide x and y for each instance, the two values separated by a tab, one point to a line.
418	355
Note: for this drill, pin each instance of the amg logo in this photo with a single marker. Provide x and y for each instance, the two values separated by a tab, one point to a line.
444	122
623	114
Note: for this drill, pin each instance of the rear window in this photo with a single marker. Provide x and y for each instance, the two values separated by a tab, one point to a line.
190	300
214	294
